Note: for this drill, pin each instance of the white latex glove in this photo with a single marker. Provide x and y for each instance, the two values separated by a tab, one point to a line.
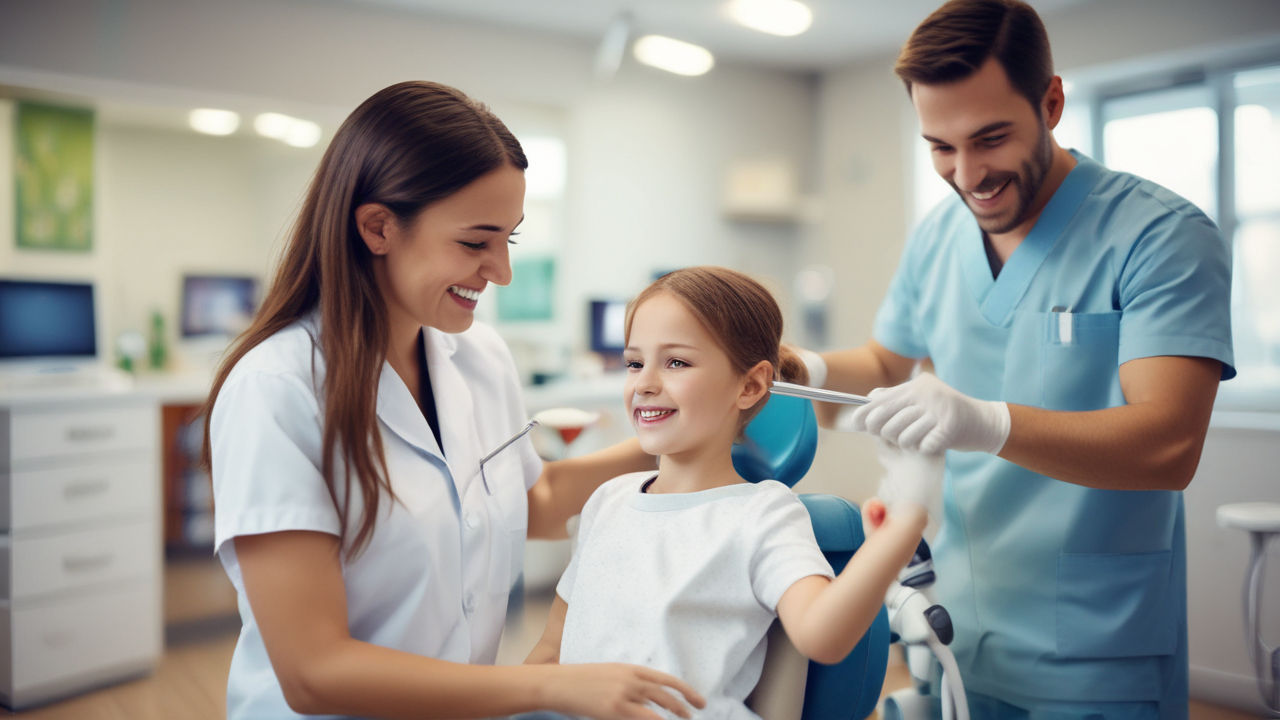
816	366
927	415
910	477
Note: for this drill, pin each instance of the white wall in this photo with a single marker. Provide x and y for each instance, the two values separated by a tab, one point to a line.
647	151
863	176
166	203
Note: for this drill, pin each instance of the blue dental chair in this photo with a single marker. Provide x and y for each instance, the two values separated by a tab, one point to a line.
780	444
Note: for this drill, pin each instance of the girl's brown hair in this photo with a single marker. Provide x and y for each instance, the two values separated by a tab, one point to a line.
738	312
407	146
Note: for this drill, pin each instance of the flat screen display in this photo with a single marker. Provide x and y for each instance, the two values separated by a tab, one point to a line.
217	304
46	319
608	320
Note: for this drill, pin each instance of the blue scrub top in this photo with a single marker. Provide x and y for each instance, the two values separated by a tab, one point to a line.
1062	592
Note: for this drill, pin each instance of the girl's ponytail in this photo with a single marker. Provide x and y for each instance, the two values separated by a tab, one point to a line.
790	367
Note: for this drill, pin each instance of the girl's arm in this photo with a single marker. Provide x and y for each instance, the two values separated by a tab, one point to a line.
824	618
547	651
294	584
565	485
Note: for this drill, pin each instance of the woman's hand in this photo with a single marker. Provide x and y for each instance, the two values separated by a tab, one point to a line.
616	691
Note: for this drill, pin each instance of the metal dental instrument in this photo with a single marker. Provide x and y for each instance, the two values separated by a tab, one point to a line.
808	393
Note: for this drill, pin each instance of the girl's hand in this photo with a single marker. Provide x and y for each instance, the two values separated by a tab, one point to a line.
873	514
911	478
616	691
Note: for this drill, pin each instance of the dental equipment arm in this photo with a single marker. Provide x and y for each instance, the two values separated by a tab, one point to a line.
824	618
565	485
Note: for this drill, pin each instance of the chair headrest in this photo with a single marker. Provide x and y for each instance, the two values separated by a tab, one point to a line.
780	442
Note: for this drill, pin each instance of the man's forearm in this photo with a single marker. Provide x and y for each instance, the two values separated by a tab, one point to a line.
1132	447
1152	443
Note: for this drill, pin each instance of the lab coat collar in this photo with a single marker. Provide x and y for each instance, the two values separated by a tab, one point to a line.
455	408
999	297
400	412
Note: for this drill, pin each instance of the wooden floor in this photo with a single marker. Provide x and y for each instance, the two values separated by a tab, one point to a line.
191	680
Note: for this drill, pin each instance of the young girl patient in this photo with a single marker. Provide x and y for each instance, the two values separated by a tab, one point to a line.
684	570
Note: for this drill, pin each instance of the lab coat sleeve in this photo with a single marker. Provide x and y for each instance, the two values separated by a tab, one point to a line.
1175	293
897	325
787	550
266	453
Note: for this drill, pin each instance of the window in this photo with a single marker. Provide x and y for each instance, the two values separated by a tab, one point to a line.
1255	303
1167	136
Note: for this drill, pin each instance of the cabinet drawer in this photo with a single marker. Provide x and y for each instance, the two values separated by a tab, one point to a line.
88	634
40	435
69	494
82	559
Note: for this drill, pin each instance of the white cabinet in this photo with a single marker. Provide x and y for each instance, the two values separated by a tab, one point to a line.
80	545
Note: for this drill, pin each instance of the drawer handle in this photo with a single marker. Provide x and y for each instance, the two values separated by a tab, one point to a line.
85	488
86	563
89	434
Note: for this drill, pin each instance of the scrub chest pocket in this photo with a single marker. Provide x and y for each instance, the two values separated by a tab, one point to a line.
503	483
1063	361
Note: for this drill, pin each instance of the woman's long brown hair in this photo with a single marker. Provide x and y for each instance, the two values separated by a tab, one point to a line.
405	147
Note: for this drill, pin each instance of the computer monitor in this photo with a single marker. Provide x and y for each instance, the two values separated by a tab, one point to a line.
47	320
217	305
608	326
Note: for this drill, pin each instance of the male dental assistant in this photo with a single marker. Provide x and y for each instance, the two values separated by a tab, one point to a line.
1078	320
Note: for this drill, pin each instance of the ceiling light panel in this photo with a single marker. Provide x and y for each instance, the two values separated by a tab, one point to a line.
673	55
776	17
214	122
290	130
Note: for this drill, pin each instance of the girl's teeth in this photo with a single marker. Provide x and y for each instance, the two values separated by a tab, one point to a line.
464	292
651	414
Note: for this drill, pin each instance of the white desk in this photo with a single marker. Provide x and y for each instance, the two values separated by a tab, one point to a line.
80	550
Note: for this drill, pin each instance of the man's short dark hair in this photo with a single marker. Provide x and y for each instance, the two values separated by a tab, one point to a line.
958	38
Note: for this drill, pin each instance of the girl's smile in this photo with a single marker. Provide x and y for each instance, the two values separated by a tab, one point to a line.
683	396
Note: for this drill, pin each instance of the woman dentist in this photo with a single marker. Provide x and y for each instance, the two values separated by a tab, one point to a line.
371	511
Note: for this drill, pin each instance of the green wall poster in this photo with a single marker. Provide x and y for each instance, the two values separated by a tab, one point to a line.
54	177
531	294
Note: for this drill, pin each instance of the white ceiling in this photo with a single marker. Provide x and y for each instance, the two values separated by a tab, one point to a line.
843	30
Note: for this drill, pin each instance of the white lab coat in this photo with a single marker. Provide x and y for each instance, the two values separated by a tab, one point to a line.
436	573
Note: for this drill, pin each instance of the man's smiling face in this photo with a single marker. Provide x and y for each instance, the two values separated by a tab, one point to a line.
989	143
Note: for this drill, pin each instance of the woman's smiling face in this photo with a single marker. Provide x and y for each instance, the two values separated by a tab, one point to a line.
682	394
435	269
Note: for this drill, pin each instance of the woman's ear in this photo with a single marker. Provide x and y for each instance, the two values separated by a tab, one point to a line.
376	224
756	384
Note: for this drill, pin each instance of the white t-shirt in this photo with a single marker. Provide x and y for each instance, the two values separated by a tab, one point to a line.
436	573
686	583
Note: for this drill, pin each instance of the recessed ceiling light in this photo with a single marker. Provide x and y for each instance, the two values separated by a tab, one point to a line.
302	133
272	125
776	17
673	55
292	131
214	122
